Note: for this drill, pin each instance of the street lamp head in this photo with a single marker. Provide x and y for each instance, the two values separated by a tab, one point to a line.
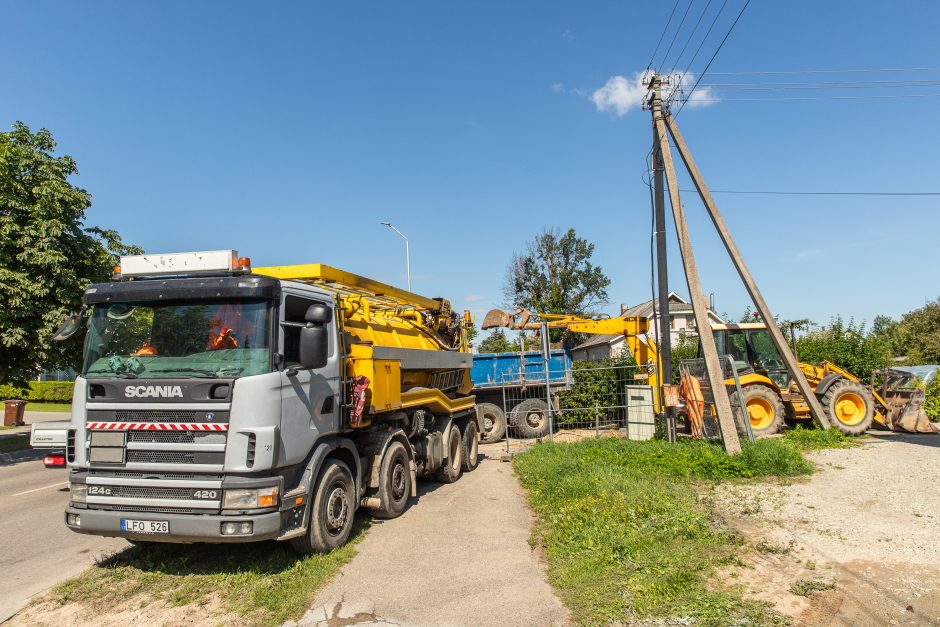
385	223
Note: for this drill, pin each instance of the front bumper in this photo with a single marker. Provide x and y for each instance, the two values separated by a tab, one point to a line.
184	528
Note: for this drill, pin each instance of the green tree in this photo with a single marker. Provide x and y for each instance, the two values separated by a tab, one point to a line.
917	335
555	275
847	345
496	342
687	348
47	255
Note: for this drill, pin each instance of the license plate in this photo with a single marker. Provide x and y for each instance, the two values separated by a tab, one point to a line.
145	526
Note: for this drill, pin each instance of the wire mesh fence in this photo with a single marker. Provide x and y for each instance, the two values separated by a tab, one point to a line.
700	414
582	401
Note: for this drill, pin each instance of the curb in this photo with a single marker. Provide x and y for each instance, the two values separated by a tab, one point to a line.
23	455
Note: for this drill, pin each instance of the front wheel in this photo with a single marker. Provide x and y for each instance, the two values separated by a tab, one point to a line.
849	406
764	409
394	482
332	509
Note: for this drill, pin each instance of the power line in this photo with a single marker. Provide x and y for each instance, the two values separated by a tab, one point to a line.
704	39
663	34
717	50
678	30
691	35
857	70
783	98
811	87
787	193
890	83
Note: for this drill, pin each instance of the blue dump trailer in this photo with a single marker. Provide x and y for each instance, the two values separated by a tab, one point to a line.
510	390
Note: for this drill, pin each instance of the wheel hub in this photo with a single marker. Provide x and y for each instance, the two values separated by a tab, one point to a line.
850	409
535	419
336	509
760	413
398	481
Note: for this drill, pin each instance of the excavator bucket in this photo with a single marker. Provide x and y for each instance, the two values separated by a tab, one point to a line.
906	411
497	318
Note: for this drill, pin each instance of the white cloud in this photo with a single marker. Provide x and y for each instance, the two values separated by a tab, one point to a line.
558	87
567	35
620	94
472	298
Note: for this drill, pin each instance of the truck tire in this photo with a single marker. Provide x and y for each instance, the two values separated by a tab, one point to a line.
469	445
394	482
530	418
450	469
849	406
332	509
494	422
764	408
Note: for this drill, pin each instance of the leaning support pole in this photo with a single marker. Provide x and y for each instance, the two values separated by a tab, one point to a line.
716	380
779	341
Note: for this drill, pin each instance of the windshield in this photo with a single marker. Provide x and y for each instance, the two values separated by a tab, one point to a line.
203	339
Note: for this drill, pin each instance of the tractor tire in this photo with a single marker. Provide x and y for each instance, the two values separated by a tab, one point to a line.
452	466
494	422
332	509
394	482
469	445
764	409
849	406
530	418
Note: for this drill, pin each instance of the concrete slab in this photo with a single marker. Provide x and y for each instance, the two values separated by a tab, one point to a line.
459	555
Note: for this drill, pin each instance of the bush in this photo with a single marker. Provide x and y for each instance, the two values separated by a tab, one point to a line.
932	404
39	391
848	346
815	439
594	385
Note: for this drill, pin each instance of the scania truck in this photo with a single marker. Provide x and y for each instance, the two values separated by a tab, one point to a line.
221	403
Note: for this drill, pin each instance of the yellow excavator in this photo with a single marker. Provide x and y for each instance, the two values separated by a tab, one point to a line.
770	396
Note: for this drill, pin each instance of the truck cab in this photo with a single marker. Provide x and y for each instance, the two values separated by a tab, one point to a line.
219	405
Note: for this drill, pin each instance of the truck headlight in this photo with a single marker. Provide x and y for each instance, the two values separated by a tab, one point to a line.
79	492
249	498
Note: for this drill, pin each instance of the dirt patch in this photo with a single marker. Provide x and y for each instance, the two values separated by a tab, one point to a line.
138	611
867	521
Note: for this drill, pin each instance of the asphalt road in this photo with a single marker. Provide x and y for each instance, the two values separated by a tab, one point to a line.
37	550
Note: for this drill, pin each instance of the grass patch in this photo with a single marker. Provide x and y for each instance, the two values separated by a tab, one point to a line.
817	439
806	587
14	442
629	538
266	583
58	407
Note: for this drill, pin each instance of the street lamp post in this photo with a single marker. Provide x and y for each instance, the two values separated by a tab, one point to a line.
407	251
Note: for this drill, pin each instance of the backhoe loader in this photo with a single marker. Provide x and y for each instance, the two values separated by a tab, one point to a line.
770	397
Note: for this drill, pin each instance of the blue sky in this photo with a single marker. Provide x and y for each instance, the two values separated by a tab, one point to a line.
289	130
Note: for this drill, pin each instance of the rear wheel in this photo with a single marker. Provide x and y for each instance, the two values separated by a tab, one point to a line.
450	469
530	418
494	422
764	410
469	445
394	482
331	510
849	406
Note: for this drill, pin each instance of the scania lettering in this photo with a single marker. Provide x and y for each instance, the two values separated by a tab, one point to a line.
217	403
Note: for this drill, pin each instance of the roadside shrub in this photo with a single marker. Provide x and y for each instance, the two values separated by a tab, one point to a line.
815	439
594	385
932	404
848	345
39	391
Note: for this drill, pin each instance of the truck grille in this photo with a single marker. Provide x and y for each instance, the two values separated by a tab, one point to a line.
176	437
175	457
155	493
163	415
148	508
151	475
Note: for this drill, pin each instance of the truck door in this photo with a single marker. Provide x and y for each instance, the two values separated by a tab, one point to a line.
309	398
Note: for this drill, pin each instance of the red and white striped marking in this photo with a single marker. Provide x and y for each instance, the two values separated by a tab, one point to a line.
156	426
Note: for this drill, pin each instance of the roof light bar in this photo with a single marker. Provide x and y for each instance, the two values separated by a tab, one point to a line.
200	262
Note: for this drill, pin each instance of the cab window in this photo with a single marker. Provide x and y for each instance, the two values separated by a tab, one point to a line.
295	307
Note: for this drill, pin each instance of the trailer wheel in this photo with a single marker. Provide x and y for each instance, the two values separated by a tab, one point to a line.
530	418
469	445
332	509
849	406
494	422
394	482
450	469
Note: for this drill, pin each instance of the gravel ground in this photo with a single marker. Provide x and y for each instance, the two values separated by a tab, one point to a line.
868	521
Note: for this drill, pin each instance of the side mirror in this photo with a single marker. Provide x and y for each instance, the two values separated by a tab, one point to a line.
318	314
314	341
69	327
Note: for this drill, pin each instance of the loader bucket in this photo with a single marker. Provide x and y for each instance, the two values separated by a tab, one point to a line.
496	318
906	411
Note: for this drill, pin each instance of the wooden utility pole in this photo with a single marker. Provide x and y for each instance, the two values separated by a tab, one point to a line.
716	379
779	341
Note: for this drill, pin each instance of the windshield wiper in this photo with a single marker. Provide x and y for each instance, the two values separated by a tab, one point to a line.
123	374
211	373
